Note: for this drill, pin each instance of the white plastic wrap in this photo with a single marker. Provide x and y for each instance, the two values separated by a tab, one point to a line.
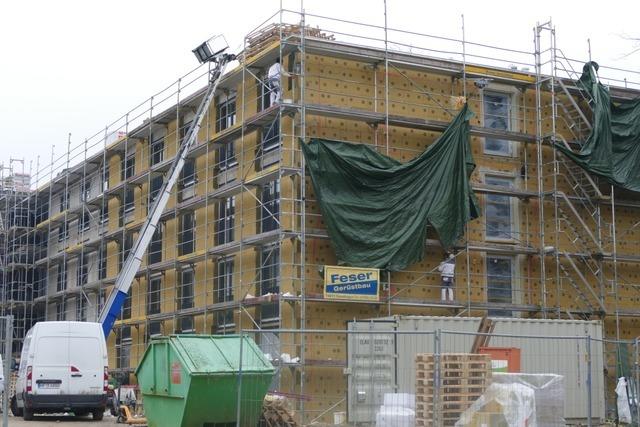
549	395
398	410
508	405
405	400
395	416
624	411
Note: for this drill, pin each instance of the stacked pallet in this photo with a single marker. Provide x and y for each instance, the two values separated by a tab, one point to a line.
447	384
262	38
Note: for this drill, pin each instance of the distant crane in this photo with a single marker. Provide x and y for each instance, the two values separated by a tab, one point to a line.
205	54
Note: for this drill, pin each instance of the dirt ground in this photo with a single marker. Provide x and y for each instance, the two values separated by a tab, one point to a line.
63	421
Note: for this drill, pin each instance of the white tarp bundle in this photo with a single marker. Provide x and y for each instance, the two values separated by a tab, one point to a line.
398	410
549	395
517	401
624	410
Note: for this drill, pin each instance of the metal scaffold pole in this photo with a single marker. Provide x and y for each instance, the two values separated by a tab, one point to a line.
303	136
8	346
540	171
614	254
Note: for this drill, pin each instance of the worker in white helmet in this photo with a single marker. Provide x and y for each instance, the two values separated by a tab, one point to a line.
447	272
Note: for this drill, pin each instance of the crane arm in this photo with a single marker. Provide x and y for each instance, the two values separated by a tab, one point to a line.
116	299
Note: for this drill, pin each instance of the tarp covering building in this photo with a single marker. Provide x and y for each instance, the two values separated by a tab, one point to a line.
612	150
377	209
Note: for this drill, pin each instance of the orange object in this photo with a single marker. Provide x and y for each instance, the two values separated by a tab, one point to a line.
510	354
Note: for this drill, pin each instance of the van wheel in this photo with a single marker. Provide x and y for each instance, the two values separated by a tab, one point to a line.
27	414
17	412
98	414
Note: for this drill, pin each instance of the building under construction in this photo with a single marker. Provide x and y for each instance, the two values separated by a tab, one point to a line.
242	242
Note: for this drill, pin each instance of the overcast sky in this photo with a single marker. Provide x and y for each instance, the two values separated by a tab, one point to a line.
73	66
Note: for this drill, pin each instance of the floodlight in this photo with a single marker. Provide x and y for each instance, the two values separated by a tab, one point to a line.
481	83
211	49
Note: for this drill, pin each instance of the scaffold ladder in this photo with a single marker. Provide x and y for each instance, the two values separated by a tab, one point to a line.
130	267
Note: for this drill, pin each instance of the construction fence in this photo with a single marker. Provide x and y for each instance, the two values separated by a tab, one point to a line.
369	375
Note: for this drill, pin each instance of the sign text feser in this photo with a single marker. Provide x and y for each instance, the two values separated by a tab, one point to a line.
351	283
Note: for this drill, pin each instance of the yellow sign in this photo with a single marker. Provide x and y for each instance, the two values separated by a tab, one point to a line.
351	283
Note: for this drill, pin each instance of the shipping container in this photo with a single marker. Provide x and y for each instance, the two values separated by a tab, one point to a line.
381	359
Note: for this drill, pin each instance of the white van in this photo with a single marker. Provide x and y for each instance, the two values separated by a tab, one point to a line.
63	368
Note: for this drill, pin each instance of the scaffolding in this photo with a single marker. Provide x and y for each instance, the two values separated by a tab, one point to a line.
242	238
16	247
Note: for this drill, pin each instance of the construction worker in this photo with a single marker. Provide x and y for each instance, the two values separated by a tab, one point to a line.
447	271
273	81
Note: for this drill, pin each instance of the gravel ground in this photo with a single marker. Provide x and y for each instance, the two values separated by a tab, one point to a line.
61	421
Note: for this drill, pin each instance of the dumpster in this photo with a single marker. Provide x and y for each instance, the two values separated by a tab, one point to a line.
193	380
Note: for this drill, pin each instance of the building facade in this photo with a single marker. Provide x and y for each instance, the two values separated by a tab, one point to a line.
242	240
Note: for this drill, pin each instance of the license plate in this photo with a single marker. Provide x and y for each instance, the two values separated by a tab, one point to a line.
48	385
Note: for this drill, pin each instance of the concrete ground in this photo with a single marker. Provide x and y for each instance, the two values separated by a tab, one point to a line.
62	421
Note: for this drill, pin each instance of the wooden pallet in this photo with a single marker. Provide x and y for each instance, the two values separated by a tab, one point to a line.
262	38
463	377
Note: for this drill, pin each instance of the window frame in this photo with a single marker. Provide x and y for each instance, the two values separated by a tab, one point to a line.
270	208
123	347
102	262
85	189
153	252
226	220
190	180
180	303
127	245
126	310
154	296
105	177
182	244
224	280
104	213
128	165
61	310
129	206
84	221
223	291
82	271
153	190
185	127
513	284
81	309
509	93
156	149
512	202
61	277
270	136
227	156
264	92
64	201
269	265
225	116
63	232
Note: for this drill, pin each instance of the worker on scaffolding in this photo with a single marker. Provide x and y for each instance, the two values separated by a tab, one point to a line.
273	81
447	271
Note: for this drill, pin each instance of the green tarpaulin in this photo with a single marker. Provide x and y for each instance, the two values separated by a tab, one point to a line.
376	209
612	150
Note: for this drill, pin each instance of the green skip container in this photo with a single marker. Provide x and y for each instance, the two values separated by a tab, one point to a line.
193	381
